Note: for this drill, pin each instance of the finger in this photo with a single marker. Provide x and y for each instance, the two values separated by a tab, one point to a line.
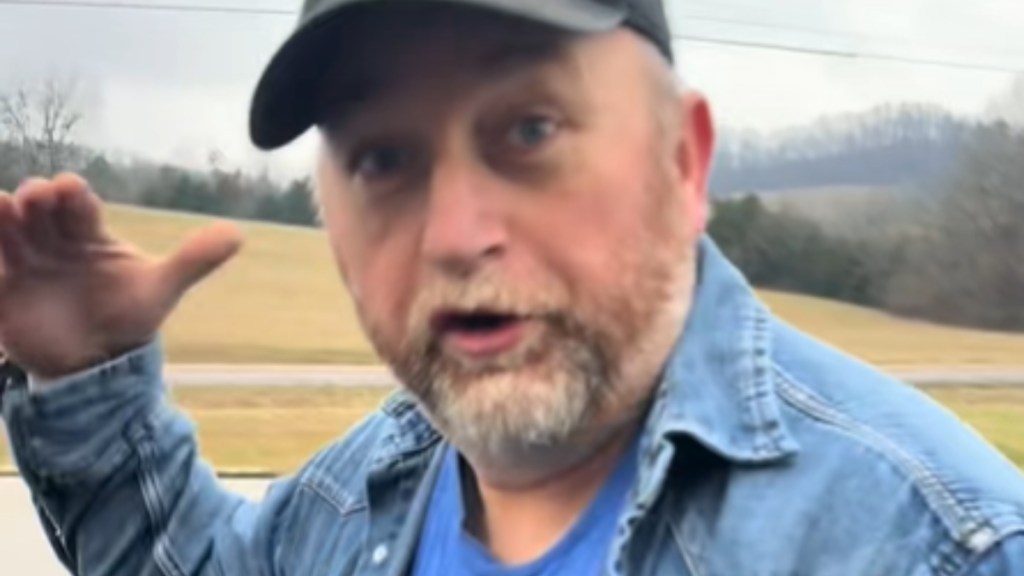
38	200
199	255
13	246
79	215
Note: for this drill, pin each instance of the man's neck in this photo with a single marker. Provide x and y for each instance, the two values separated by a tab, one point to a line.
518	524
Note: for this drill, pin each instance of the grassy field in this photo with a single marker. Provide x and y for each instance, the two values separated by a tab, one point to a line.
276	430
894	342
266	429
280	301
997	413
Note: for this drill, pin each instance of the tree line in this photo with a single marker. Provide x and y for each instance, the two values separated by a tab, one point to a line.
956	256
37	136
889	145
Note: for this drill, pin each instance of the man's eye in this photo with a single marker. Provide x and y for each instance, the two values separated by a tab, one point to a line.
380	162
533	131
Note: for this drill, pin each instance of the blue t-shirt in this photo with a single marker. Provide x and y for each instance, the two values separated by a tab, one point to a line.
446	549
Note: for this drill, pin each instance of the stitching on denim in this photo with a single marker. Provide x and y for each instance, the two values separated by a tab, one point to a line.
344	508
928	483
151	497
691	563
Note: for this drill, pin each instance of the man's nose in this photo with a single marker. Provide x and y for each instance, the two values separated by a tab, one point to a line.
464	225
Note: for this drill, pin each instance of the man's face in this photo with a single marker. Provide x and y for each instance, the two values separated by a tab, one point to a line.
515	218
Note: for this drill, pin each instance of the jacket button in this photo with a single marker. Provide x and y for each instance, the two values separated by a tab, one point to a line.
380	554
981	539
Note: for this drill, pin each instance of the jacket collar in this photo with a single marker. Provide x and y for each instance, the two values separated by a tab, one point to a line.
717	386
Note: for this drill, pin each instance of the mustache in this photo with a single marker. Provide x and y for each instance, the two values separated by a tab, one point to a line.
488	293
571	337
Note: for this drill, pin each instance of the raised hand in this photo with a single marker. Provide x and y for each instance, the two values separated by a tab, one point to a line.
71	295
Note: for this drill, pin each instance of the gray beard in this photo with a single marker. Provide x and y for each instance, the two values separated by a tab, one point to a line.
523	411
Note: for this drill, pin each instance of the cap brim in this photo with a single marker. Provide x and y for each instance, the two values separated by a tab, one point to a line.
284	103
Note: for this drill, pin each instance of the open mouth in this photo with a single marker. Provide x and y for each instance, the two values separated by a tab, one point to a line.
477	321
479	332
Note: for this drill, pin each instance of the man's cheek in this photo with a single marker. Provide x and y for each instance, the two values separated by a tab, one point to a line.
389	308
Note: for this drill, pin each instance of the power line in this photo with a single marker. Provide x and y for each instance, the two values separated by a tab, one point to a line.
208	9
832	33
848	54
712	8
199	8
715	4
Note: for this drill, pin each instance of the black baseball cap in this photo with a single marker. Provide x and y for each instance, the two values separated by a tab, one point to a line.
283	106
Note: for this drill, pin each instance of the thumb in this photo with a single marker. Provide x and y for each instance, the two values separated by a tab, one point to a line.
200	254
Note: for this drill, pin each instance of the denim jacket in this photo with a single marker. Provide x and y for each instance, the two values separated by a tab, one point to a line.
765	453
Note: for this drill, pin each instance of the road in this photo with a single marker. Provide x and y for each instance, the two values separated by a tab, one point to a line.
962	377
24	550
278	375
353	376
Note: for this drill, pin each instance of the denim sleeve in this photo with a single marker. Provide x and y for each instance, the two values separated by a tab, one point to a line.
1005	559
119	488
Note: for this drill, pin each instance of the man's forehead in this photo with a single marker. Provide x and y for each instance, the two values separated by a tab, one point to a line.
498	47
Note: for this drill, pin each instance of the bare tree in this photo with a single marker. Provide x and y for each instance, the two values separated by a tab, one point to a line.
42	122
1010	106
964	265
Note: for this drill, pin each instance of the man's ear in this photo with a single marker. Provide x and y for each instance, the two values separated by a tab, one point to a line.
694	155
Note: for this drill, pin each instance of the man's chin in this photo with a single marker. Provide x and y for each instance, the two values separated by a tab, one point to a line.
511	410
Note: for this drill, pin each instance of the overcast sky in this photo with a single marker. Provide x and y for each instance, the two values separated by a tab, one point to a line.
174	86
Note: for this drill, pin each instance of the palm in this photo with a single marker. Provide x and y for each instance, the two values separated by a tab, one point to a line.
53	314
70	295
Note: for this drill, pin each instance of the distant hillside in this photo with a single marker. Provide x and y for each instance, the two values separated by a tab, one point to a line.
888	146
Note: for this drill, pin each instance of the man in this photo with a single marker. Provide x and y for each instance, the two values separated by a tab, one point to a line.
515	193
